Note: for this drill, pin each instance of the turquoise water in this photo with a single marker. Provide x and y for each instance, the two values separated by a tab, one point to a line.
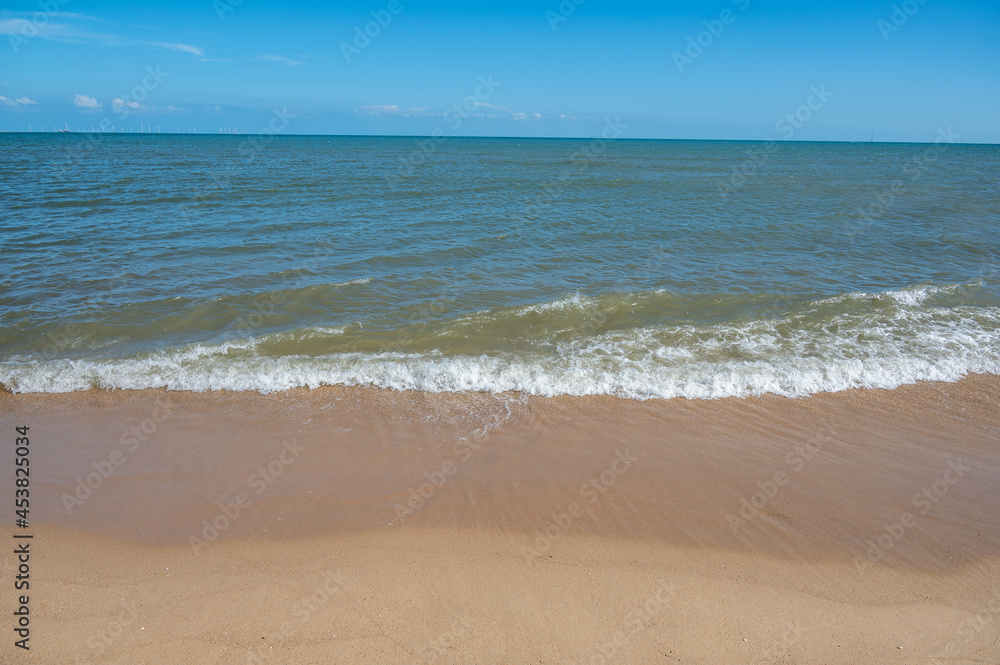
635	268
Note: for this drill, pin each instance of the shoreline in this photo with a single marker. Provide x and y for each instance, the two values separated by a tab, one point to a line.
482	439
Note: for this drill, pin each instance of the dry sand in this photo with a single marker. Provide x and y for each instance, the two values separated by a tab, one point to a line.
364	526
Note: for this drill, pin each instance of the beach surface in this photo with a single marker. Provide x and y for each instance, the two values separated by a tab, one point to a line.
369	526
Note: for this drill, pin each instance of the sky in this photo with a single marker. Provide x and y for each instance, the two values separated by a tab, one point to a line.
714	69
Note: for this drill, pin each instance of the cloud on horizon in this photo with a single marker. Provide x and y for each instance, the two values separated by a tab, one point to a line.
284	60
391	109
481	110
85	102
20	101
121	106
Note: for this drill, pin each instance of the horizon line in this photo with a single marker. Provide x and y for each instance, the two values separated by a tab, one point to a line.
520	138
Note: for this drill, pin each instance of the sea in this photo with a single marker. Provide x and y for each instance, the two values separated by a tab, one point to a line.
635	268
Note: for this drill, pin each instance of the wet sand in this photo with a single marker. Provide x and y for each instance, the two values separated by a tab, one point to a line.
356	525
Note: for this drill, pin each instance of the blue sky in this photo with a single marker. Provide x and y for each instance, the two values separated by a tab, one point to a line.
724	69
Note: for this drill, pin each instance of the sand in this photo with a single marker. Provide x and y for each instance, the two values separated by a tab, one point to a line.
365	526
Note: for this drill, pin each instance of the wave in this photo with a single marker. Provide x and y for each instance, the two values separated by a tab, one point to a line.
855	340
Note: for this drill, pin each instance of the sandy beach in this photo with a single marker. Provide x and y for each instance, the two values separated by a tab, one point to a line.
357	525
500	333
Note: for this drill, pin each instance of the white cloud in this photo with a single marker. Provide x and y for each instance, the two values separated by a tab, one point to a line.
381	109
56	26
284	60
20	101
491	106
521	116
85	102
121	106
187	48
391	109
74	29
14	26
118	104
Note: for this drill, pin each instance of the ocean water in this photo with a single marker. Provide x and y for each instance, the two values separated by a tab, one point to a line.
633	268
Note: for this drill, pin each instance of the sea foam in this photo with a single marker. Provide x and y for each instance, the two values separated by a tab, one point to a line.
794	355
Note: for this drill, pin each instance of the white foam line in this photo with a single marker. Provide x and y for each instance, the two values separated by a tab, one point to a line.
706	362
